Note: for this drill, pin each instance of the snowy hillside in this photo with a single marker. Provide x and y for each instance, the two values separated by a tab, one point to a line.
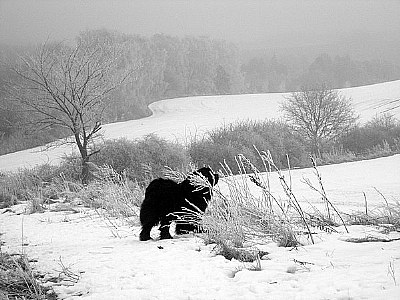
109	262
184	118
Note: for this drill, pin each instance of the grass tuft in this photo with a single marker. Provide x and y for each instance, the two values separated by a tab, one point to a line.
18	280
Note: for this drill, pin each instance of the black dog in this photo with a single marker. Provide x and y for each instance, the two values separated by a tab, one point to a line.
165	197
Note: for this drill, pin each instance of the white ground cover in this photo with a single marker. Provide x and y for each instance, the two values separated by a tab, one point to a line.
186	118
185	268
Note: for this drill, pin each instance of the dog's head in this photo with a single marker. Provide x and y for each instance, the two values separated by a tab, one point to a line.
206	172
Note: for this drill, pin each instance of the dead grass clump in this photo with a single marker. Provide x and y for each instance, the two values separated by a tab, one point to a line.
18	280
246	254
386	215
26	183
113	195
37	186
240	217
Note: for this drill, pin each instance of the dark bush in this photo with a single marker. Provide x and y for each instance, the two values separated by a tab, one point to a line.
382	131
225	143
143	159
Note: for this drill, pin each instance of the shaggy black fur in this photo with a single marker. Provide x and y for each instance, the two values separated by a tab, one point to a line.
165	196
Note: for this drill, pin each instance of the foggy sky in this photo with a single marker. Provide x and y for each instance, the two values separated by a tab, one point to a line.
255	23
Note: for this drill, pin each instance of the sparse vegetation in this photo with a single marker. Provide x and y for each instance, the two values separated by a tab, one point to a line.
239	217
27	184
123	168
386	215
378	137
18	280
113	196
142	160
243	213
223	144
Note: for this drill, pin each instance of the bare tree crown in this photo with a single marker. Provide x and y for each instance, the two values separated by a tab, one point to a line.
69	87
320	114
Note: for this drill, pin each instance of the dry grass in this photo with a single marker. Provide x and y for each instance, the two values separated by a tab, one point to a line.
240	216
114	197
28	185
113	193
237	219
386	215
326	220
18	280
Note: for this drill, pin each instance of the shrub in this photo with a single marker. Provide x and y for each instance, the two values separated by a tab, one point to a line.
135	161
380	133
223	144
142	160
335	156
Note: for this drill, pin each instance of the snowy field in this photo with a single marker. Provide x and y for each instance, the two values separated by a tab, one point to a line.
185	268
186	118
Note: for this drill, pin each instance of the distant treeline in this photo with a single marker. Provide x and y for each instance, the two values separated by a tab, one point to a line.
264	74
169	67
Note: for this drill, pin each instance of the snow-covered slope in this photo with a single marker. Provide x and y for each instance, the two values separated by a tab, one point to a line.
185	268
184	118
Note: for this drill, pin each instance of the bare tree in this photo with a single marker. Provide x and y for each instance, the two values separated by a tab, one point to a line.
69	87
319	114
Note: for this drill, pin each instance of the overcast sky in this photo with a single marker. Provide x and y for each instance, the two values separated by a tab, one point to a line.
252	22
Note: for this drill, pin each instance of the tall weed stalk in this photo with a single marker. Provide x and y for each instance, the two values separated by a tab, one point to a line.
244	211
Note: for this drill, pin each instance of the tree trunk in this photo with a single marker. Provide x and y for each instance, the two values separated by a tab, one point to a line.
85	173
314	147
82	146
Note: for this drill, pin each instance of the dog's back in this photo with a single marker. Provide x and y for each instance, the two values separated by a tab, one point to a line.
159	198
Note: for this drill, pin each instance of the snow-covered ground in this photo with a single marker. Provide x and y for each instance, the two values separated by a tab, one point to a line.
185	268
185	118
348	184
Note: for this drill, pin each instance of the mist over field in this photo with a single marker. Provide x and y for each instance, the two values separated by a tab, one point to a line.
363	28
182	48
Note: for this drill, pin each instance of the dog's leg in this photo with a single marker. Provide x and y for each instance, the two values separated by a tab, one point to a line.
164	228
145	233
